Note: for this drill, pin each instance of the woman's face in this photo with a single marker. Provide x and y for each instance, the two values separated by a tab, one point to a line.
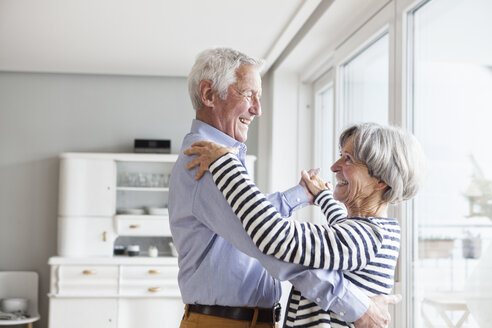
355	187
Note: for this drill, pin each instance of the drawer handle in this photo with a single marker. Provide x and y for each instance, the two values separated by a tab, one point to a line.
154	271
155	289
134	226
105	236
89	272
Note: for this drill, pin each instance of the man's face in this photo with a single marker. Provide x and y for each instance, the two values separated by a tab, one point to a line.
234	114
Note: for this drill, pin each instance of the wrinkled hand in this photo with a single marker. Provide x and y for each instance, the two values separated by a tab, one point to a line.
313	184
207	152
377	315
302	183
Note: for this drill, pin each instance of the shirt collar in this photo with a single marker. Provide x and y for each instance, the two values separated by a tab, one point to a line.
211	133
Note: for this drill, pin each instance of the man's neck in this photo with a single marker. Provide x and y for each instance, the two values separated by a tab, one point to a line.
206	115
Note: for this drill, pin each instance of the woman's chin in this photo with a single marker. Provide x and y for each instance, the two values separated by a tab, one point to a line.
338	195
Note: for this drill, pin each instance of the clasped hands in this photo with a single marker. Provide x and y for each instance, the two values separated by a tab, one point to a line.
313	184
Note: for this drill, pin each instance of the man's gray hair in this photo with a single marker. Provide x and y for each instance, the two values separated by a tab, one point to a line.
392	155
218	65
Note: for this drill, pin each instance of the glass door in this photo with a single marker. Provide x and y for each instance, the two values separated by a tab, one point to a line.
451	108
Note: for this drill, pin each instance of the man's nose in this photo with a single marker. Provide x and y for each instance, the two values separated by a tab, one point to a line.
255	108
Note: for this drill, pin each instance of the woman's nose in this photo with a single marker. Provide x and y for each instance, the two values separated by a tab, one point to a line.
336	166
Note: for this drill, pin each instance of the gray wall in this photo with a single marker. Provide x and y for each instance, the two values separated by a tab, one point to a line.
42	115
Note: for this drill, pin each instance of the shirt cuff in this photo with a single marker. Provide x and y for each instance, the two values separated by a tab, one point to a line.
352	304
295	198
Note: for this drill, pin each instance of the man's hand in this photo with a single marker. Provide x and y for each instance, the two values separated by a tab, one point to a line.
377	315
311	173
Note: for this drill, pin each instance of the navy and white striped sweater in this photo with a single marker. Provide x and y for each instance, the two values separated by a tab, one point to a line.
366	249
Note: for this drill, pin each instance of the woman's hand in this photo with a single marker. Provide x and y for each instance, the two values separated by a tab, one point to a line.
314	183
208	152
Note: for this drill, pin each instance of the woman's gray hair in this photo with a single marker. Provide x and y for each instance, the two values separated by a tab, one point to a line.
218	65
392	155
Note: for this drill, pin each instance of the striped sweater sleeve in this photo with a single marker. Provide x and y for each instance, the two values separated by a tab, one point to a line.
332	209
347	245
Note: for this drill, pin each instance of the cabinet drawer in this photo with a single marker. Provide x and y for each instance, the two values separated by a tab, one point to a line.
150	289
87	280
142	225
151	273
149	281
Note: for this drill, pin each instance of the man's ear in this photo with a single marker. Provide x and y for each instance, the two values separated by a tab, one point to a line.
207	93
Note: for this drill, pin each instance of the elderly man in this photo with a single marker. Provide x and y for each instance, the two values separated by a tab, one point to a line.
224	279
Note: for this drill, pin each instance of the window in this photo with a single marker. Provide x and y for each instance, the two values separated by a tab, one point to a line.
365	82
325	121
452	117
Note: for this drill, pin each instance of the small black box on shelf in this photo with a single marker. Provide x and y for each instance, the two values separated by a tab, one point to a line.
152	146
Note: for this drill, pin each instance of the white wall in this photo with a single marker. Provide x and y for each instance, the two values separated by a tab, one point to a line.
42	115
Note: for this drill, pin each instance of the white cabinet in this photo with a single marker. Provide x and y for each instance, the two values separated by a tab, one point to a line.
114	292
83	313
100	194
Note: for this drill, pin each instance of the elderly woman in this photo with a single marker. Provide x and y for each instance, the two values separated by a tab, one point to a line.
378	165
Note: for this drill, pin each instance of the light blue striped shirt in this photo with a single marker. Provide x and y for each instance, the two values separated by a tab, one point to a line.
218	262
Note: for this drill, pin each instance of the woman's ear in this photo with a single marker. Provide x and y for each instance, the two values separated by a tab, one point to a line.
207	93
381	185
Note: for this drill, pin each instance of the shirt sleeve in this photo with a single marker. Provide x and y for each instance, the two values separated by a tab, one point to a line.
326	288
345	244
288	201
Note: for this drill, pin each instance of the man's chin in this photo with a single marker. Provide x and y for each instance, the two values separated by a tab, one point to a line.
243	135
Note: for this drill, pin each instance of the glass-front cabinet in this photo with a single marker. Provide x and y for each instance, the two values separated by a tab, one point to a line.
116	267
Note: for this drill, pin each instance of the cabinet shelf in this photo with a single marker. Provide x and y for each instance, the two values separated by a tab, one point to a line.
155	189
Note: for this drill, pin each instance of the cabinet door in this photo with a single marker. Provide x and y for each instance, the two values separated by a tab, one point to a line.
83	313
150	312
87	187
85	236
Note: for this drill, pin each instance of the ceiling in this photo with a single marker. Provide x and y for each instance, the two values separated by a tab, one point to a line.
140	37
162	37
